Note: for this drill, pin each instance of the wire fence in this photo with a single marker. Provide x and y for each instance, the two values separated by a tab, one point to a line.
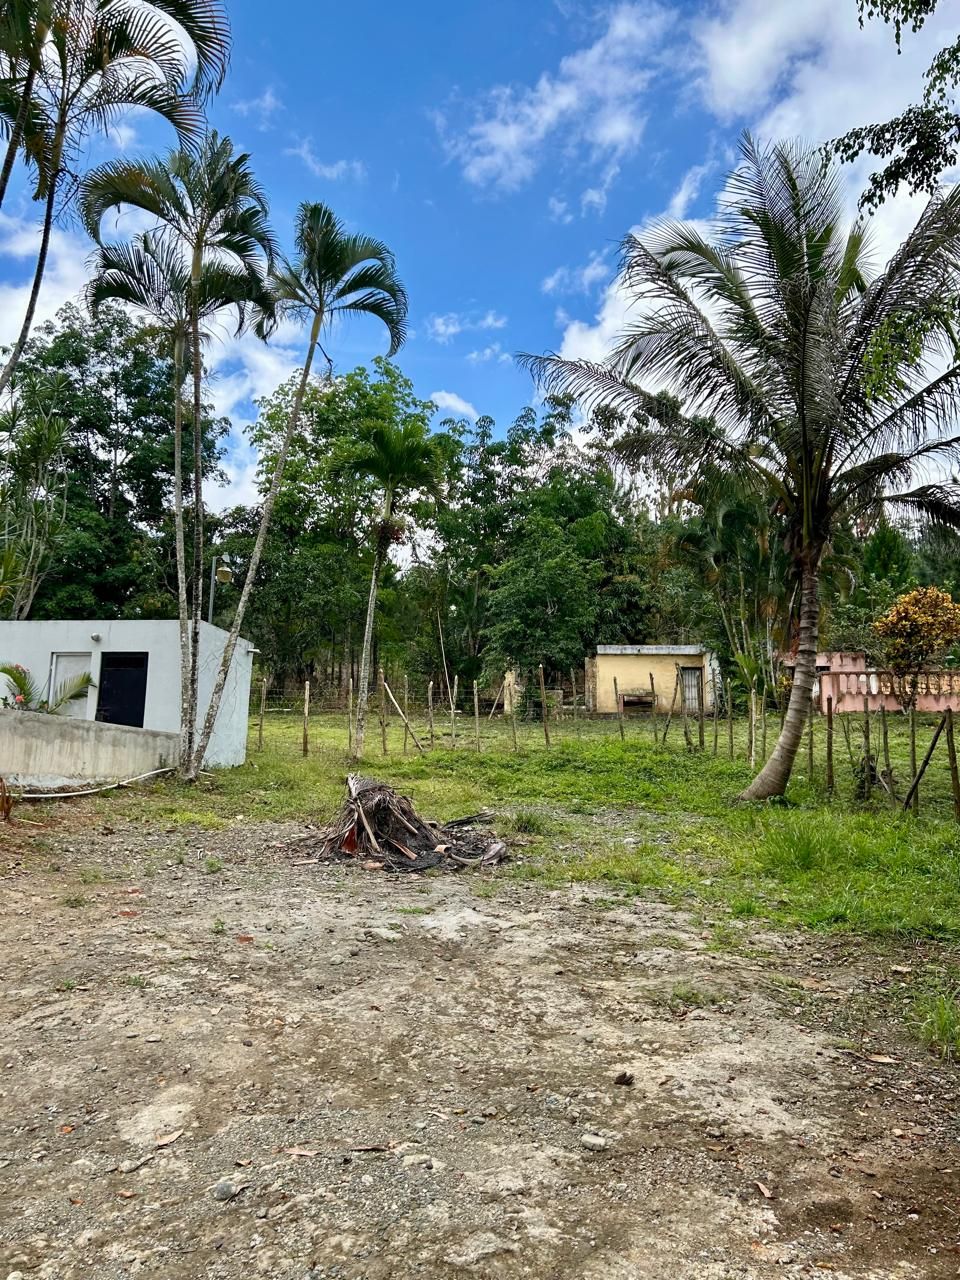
888	756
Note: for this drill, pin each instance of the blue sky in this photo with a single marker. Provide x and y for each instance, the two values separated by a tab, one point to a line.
502	157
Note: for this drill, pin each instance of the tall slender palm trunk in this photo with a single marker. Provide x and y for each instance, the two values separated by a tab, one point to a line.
183	607
363	686
16	133
14	357
773	777
193	693
224	670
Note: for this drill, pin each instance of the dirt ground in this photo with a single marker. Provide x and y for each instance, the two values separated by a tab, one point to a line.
315	1072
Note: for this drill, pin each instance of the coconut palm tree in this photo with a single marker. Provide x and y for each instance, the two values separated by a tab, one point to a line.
150	274
78	65
403	461
821	386
335	274
211	210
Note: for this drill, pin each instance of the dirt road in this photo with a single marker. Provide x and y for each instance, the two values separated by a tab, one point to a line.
283	1071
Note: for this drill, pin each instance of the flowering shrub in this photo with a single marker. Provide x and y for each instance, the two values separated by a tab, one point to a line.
916	630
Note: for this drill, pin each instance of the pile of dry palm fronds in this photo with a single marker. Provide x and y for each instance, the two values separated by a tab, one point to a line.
383	831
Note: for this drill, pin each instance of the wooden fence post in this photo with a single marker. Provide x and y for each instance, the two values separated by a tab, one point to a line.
752	725
389	692
453	712
476	712
810	740
543	705
673	703
730	720
926	760
430	711
885	741
573	684
383	709
616	694
306	718
653	709
701	696
913	760
952	755
406	712
497	699
716	711
830	745
513	714
867	753
763	724
350	716
263	708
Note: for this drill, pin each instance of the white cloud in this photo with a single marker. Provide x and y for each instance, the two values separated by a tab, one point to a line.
262	108
494	352
444	328
688	189
559	210
337	171
64	280
594	100
578	279
450	402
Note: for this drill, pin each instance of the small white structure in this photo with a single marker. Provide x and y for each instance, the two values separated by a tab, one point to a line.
648	672
135	666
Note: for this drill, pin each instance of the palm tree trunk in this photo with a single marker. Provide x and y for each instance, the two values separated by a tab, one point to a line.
187	771
183	610
265	517
16	134
14	358
773	777
363	685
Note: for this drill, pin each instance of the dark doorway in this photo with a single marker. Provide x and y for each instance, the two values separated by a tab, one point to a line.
123	688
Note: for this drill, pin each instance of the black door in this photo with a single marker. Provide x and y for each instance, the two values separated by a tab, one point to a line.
123	688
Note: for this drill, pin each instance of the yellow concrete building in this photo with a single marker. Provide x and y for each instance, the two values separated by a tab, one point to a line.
644	670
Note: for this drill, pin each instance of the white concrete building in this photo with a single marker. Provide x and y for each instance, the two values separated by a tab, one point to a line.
135	667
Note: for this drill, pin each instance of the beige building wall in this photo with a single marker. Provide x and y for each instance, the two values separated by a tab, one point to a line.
633	672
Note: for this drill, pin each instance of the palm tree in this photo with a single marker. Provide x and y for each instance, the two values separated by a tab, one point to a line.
25	694
335	273
210	210
150	274
75	66
803	376
403	460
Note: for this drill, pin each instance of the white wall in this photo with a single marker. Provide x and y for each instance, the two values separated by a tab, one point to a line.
32	644
38	750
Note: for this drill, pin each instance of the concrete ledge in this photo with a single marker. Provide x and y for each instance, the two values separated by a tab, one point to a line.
39	750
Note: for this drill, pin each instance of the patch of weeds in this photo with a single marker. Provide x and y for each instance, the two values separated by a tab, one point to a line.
724	937
936	1019
180	859
485	888
135	980
745	908
671	940
605	904
413	911
150	870
219	927
212	865
67	984
686	996
76	900
91	875
527	822
193	818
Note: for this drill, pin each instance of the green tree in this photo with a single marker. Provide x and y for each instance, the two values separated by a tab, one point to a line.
82	64
395	450
335	274
763	332
212	213
923	142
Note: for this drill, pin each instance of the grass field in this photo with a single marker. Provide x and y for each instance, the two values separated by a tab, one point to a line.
633	816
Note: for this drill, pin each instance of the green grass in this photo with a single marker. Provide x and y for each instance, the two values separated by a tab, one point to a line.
936	1017
824	862
212	866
